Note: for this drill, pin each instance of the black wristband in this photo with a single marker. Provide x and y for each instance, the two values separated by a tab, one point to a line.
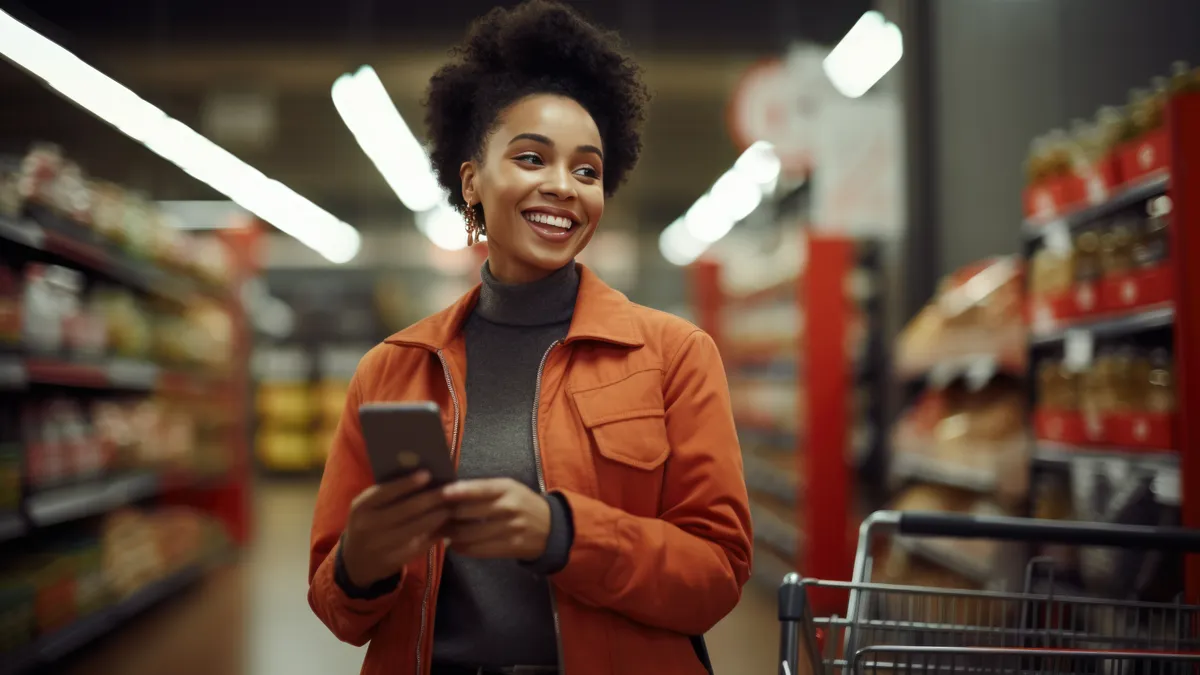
376	590
559	541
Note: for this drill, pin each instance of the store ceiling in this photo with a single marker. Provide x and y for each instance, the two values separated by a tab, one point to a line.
179	53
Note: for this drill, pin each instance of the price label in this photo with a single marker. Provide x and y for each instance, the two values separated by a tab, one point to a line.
1077	350
1058	237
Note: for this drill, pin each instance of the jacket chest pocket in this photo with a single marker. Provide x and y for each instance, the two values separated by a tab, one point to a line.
626	427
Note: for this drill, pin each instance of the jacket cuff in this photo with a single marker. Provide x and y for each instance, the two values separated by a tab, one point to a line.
376	590
558	542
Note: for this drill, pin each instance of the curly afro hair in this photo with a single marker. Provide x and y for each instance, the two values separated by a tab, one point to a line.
537	47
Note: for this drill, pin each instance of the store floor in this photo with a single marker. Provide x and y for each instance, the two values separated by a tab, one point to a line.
252	618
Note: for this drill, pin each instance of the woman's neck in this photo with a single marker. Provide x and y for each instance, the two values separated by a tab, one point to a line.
550	299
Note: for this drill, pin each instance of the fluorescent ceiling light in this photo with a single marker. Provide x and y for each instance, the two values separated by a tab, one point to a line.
679	246
871	48
175	142
735	195
370	114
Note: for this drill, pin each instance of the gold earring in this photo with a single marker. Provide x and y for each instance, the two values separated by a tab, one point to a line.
474	227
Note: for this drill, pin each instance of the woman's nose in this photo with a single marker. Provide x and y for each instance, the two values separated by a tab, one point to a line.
558	184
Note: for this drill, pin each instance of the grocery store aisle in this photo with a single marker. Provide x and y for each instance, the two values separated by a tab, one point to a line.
252	618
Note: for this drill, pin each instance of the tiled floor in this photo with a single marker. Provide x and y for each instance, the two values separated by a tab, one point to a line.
253	618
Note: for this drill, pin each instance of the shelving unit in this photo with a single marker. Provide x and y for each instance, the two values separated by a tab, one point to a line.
803	348
1084	436
67	485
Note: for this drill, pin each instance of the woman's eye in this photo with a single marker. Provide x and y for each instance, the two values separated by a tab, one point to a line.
530	158
587	172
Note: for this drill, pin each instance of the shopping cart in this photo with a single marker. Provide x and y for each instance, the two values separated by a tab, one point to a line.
897	629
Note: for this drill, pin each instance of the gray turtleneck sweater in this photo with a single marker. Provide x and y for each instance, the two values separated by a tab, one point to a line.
498	612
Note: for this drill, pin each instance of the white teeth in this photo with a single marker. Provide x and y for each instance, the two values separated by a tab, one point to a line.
547	219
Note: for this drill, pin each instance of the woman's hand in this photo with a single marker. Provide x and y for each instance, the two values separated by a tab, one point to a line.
497	518
390	525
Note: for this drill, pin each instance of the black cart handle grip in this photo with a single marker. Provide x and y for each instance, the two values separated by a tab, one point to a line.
958	526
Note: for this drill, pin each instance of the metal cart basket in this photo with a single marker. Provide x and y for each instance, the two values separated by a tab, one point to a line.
896	629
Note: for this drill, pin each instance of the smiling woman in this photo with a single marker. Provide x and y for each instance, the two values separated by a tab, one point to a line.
599	520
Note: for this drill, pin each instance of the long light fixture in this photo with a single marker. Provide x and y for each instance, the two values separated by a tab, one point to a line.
175	142
371	115
732	197
871	48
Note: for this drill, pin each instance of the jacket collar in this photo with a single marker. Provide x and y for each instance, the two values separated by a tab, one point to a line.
601	313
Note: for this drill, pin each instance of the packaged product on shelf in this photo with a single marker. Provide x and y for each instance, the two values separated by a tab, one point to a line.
129	330
51	300
1088	269
1151	248
1116	248
60	445
39	173
73	198
108	210
1051	272
115	433
977	312
211	260
1051	500
974	439
131	554
287	449
285	404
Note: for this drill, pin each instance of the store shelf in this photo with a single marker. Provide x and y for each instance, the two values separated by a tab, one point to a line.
774	531
12	526
73	502
976	370
1034	228
72	242
45	652
18	371
1112	326
949	556
776	439
761	476
1048	453
913	466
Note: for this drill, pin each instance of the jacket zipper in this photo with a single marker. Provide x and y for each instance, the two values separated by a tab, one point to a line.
537	463
429	566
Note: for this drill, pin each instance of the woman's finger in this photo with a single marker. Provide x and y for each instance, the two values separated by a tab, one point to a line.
408	509
481	489
484	510
467	533
380	496
423	525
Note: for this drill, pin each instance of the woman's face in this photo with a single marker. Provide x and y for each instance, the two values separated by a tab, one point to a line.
541	182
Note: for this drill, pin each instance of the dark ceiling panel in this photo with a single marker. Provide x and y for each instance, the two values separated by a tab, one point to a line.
754	25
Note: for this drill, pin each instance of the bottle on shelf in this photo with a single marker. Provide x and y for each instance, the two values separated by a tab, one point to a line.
1160	383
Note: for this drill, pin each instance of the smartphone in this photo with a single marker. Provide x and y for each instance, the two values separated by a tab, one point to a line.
403	438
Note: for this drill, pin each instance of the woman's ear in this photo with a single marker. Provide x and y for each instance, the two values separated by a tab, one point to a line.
467	174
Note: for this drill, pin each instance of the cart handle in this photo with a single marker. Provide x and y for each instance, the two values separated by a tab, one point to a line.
959	526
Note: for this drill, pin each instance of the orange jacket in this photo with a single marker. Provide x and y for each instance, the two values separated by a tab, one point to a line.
635	431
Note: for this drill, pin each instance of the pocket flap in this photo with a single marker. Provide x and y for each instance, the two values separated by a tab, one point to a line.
626	420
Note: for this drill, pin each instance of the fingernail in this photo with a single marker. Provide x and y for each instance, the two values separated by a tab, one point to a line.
421	477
